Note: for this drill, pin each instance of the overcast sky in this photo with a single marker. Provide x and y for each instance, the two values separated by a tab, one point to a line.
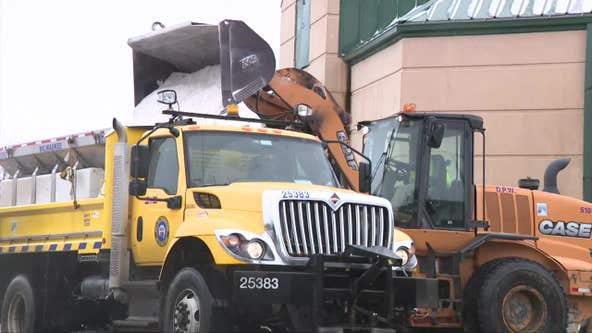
65	66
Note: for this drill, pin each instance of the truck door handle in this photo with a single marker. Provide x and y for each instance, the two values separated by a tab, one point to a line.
139	228
172	202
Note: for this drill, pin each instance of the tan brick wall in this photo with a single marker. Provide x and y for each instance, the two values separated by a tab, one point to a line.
325	63
287	32
527	87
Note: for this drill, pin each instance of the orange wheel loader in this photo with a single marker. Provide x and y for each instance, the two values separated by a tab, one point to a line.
507	259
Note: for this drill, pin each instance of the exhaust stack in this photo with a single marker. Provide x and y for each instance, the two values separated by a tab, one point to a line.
551	174
119	260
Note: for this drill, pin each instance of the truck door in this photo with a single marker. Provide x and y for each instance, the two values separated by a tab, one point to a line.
154	221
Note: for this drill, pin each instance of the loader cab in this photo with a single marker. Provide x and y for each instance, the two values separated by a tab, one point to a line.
423	164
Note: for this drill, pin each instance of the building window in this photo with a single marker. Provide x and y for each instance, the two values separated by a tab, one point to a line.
301	50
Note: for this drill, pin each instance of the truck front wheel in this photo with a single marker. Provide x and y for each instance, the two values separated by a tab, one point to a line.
18	306
521	296
188	304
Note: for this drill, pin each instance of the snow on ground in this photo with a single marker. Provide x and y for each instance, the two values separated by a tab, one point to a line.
197	92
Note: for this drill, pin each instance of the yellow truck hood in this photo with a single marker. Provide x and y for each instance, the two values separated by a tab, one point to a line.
249	196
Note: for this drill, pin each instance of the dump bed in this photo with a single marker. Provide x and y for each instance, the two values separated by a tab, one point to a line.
40	210
33	169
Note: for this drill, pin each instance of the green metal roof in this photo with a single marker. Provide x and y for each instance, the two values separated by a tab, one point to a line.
453	10
454	17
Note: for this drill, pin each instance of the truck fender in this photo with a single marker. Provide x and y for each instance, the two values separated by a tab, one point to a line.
174	257
189	251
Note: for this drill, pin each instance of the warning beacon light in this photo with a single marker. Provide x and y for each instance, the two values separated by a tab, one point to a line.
409	107
232	110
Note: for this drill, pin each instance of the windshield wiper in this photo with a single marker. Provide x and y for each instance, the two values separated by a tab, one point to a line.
214	184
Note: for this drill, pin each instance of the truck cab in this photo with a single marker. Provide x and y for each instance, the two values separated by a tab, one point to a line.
232	178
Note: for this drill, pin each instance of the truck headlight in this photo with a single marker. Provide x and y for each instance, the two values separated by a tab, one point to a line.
255	249
407	254
245	249
403	253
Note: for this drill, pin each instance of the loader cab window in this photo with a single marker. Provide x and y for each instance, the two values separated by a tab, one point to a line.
446	191
398	181
163	170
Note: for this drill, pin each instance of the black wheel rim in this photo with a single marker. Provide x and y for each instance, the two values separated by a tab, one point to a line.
16	314
524	309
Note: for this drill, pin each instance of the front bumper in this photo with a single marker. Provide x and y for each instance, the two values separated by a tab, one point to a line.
348	290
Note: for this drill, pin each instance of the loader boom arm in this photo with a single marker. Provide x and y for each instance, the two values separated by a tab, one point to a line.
291	87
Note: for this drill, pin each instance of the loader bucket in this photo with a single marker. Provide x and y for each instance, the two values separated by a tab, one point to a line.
246	61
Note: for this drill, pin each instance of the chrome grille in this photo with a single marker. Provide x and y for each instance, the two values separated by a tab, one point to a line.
312	227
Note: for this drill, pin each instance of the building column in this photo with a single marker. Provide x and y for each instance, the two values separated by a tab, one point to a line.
324	62
587	181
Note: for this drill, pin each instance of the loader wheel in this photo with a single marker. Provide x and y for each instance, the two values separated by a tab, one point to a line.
18	307
521	296
188	304
586	326
470	313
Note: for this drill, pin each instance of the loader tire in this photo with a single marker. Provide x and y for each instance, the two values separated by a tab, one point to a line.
18	306
188	304
520	295
470	313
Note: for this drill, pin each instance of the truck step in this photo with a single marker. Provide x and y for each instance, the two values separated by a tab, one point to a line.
352	329
143	301
136	324
141	284
146	287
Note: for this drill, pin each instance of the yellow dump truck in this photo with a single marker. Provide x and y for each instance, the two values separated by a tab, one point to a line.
188	227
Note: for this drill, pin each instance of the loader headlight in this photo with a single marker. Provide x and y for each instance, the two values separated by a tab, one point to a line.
303	110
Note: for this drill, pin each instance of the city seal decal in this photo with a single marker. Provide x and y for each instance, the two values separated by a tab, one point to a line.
566	229
161	231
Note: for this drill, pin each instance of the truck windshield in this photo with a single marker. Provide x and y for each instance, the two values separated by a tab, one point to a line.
392	145
222	158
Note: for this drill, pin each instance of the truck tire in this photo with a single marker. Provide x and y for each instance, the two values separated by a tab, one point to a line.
18	306
520	295
188	304
470	313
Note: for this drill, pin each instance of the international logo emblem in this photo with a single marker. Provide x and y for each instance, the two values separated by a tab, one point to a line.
334	198
161	231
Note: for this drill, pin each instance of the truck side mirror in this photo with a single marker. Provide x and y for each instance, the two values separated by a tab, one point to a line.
137	187
436	134
365	176
140	160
